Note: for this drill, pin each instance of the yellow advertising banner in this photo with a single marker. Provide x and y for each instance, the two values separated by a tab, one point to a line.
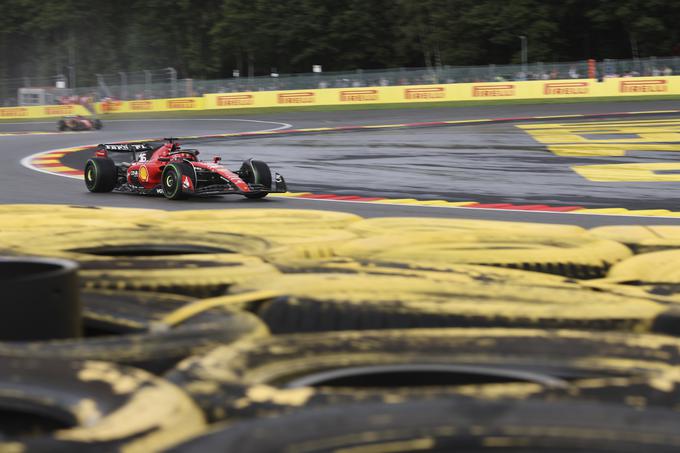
538	89
482	91
151	105
42	111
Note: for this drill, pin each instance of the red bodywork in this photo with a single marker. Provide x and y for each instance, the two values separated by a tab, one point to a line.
148	169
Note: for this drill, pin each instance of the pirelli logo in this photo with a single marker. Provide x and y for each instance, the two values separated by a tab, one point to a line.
112	106
642	86
141	105
359	95
13	112
305	97
424	93
181	103
483	91
235	99
59	110
565	88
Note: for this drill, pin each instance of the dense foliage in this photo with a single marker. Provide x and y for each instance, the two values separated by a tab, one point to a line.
210	38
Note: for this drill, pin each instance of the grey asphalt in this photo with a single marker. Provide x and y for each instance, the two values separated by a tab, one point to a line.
486	163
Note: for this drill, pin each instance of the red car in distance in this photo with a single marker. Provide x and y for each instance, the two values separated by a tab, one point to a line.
79	123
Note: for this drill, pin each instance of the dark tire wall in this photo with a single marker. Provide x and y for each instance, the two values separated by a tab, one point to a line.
251	313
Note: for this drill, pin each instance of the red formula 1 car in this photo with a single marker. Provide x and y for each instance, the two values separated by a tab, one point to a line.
174	172
78	123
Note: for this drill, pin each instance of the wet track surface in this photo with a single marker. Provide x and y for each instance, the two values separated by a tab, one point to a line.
492	163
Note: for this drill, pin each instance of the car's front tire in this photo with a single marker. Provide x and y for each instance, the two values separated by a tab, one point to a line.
97	124
101	174
171	180
256	172
62	126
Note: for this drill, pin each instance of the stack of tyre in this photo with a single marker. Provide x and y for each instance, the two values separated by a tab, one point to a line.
307	331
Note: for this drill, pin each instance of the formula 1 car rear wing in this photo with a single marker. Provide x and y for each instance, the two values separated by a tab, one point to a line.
134	148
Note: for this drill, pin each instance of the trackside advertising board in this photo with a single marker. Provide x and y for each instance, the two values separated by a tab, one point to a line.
483	91
543	89
42	111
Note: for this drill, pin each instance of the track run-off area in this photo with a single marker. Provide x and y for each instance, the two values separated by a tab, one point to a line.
586	164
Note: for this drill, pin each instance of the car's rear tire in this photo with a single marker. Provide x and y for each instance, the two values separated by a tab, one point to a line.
256	172
101	174
171	180
62	126
97	124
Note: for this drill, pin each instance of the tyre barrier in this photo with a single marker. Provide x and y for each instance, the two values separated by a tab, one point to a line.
69	406
326	302
399	225
284	373
153	259
556	249
39	285
641	238
156	350
384	312
451	424
577	256
114	312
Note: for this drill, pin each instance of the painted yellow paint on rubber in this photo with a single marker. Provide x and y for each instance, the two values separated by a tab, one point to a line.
648	268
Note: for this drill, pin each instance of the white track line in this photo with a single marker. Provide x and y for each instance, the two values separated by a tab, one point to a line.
26	161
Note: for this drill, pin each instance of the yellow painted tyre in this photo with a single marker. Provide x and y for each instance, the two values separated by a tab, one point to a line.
404	225
572	256
277	218
455	273
133	241
108	407
287	372
450	423
193	275
115	312
656	268
324	302
156	348
641	238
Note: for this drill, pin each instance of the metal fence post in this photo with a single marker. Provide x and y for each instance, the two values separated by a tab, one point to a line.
147	84
173	82
123	86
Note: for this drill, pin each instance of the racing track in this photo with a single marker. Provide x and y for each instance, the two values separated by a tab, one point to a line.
491	163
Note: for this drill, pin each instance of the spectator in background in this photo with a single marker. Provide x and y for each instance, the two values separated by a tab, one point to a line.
573	73
667	71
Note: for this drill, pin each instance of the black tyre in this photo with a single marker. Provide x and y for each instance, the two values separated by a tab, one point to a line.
171	180
72	406
155	351
453	424
62	126
101	174
318	302
97	124
40	299
256	172
283	373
